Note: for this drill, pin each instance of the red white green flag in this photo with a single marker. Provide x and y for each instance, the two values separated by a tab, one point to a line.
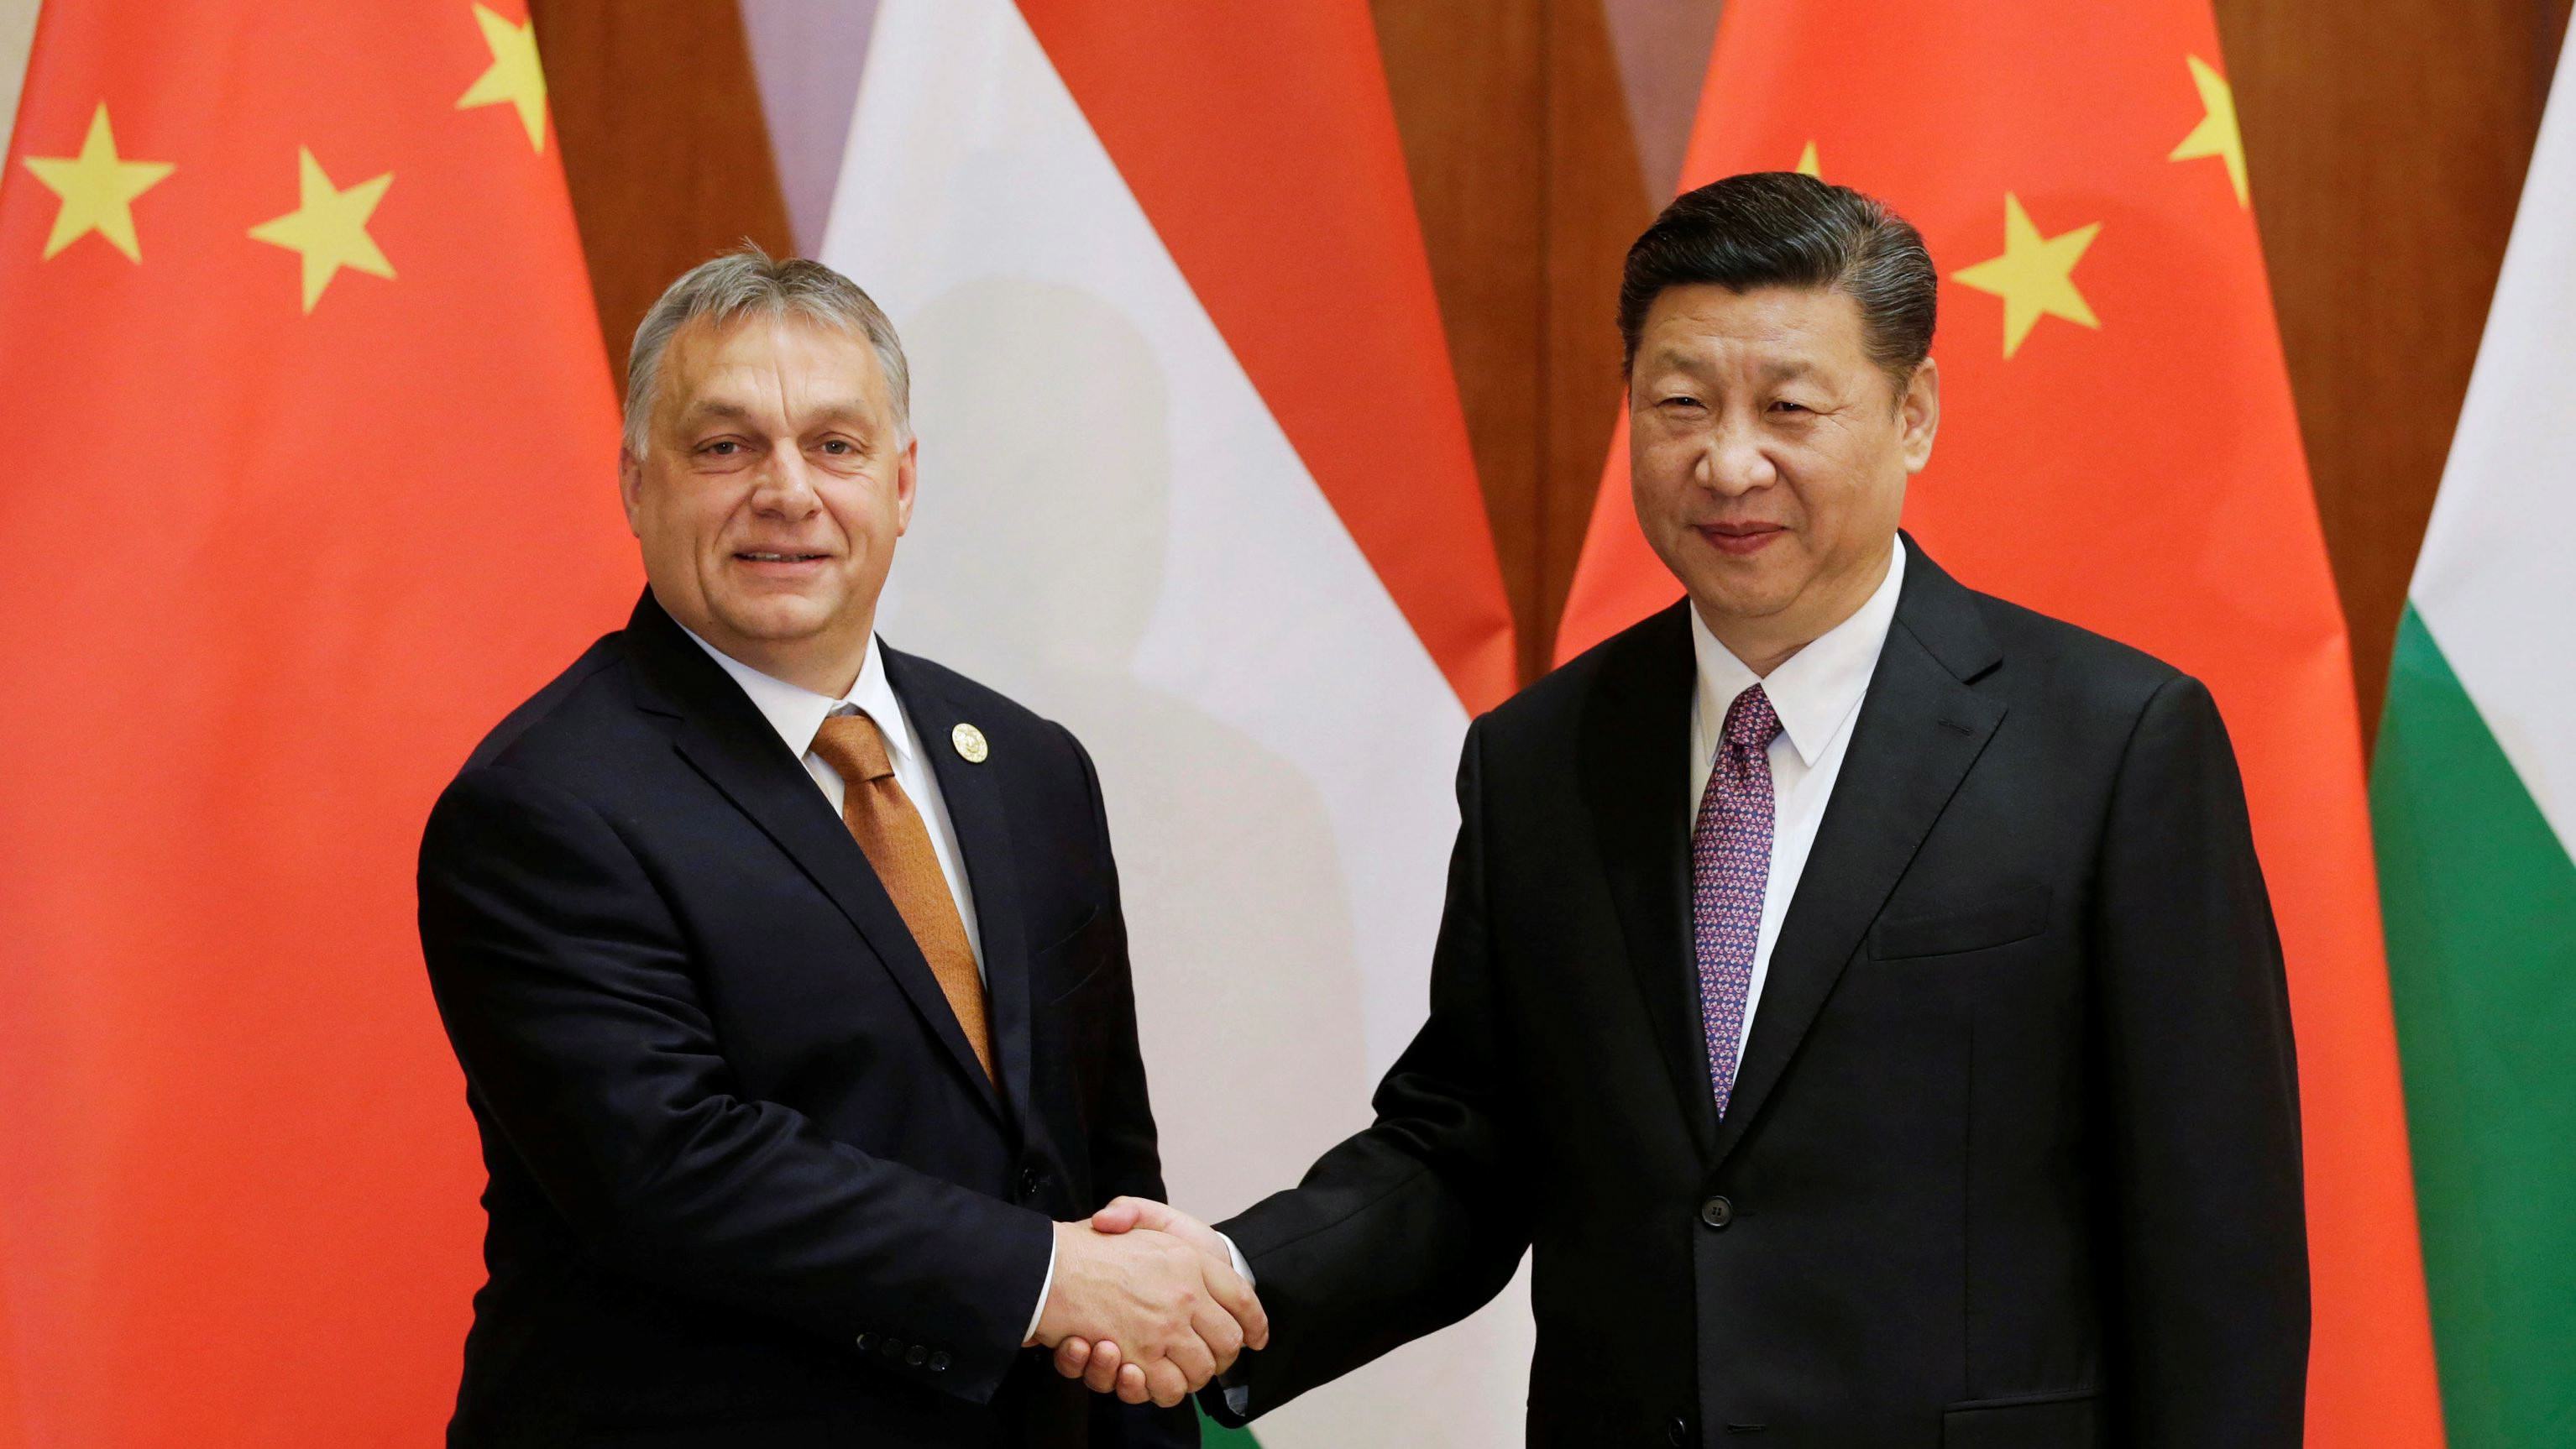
2474	793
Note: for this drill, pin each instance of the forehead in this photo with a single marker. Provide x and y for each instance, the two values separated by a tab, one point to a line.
1699	324
759	363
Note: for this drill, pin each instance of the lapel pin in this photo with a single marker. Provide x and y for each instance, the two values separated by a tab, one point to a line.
970	743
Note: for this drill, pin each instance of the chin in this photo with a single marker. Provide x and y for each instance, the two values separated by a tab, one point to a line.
1740	596
776	619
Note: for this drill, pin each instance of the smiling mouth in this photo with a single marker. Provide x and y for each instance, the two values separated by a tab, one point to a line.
759	556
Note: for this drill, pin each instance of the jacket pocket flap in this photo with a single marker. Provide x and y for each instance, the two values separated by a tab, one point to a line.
2013	914
2037	1421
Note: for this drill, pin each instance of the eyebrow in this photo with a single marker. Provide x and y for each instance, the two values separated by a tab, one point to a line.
843	410
1776	371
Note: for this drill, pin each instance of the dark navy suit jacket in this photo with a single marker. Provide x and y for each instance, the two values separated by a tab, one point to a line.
749	1184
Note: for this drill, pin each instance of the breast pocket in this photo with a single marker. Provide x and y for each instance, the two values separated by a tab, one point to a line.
1072	963
1081	1014
1995	918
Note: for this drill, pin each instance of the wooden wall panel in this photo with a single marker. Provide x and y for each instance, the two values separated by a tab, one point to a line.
1470	100
1527	181
664	147
1596	202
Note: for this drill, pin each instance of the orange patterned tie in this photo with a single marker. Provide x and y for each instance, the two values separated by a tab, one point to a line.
889	830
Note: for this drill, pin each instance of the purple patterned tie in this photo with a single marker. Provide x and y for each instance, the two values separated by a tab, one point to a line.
1730	866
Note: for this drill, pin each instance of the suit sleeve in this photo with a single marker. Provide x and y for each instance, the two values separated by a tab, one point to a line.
1415	1222
1126	1160
2202	1088
564	983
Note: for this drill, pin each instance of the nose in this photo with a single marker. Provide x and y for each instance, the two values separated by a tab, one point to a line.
1733	463
784	486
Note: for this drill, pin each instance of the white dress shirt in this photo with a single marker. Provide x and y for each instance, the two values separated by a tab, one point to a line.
1817	694
797	713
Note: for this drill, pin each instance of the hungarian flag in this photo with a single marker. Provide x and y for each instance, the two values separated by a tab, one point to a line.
312	478
2474	795
1194	480
2118	448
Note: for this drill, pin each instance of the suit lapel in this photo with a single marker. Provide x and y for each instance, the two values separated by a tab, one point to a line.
1635	743
724	737
1921	727
973	794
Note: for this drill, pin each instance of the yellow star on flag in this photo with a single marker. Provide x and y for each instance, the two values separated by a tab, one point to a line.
328	227
1808	165
2035	276
2216	135
97	188
514	76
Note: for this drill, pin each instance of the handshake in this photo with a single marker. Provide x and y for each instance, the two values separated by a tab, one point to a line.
1146	1303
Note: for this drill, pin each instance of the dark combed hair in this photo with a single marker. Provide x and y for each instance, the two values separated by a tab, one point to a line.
1782	229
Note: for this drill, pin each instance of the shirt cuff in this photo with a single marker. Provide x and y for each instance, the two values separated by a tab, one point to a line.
1238	1397
1046	1287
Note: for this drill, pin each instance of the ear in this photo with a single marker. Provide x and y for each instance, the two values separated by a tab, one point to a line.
1918	414
630	487
906	479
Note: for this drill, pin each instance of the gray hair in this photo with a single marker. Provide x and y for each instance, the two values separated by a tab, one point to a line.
746	282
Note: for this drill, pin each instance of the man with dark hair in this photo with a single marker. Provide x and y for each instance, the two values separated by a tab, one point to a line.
1859	992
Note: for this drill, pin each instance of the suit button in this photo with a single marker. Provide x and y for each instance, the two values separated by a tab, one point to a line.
867	1341
939	1362
1677	1433
1717	1212
1030	1180
917	1356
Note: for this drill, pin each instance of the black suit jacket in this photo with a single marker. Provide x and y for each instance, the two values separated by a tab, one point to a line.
2013	1156
749	1184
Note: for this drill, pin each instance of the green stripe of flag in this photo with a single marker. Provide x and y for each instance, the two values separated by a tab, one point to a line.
2480	896
1213	1435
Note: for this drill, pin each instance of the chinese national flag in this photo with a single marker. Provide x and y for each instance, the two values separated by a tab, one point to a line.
311	478
2118	448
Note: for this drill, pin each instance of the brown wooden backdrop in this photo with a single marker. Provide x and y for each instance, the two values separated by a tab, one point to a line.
2387	141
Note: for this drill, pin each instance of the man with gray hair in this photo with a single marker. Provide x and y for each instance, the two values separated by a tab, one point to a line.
787	970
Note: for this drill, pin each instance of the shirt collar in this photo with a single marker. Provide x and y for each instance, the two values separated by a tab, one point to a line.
796	712
1819	686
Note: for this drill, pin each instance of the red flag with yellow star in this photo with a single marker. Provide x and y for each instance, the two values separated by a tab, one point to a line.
313	452
2118	448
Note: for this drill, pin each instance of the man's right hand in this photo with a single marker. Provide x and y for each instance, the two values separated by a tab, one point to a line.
1103	1365
1176	1314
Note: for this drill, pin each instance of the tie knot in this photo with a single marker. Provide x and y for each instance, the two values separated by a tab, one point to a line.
1750	721
852	745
